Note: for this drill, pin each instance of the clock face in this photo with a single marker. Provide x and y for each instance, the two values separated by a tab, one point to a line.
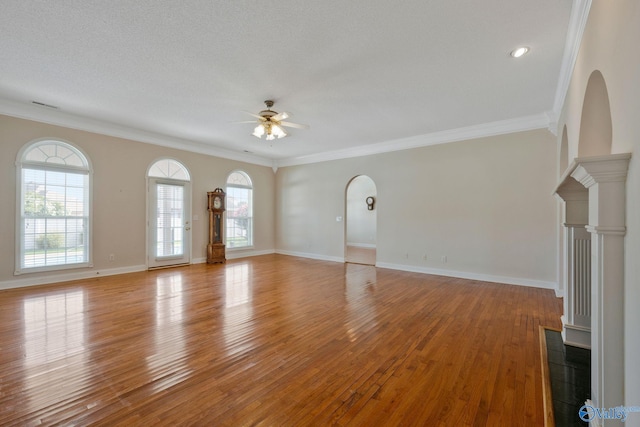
217	203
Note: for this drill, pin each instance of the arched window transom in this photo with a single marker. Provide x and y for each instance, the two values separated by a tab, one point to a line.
170	169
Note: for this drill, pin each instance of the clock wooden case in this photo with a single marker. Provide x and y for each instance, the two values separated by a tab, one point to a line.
216	207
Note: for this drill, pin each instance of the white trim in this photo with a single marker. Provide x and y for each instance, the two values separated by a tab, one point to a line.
559	293
10	284
362	245
470	276
61	118
310	255
239	253
435	271
520	124
73	121
576	336
577	23
44	280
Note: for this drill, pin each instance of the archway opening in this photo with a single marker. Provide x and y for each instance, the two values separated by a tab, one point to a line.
361	221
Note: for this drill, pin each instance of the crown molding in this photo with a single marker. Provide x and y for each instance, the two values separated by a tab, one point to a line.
73	121
577	23
520	124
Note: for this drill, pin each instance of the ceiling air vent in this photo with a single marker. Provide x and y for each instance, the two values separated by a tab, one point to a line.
42	104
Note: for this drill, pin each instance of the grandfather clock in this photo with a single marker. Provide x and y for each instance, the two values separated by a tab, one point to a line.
215	248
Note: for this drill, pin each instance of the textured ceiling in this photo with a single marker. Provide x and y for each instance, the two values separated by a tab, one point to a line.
360	73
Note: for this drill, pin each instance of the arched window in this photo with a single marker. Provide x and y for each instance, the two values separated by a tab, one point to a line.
239	211
170	169
54	207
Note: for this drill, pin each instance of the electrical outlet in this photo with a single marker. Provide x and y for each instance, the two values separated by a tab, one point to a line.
406	255
424	257
444	259
112	257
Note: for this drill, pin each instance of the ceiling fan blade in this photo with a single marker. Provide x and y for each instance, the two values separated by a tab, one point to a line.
254	115
281	116
244	121
294	125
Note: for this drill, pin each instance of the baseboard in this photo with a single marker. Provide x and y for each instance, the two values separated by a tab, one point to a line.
362	245
471	276
310	255
559	293
66	277
235	254
42	280
435	271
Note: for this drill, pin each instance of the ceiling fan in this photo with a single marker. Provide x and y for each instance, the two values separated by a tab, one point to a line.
271	124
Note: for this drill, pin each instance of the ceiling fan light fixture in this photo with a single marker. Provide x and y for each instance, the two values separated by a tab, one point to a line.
258	131
278	131
271	124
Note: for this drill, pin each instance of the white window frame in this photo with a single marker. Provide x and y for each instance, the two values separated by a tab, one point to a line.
87	169
228	205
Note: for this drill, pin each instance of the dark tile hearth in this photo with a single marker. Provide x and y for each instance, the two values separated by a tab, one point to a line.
570	374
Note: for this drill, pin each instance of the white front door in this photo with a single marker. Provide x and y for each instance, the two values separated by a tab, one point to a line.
169	223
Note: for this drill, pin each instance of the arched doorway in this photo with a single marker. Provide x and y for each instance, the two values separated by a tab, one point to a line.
593	189
361	221
168	214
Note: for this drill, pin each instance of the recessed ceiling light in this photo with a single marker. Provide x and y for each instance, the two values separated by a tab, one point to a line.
521	51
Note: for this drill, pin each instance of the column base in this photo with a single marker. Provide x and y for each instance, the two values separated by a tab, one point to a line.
576	336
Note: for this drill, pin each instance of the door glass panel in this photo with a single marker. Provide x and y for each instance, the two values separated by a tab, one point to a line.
169	220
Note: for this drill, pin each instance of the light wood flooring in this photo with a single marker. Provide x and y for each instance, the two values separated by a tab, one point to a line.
276	341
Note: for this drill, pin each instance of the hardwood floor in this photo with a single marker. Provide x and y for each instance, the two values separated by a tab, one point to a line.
273	340
360	255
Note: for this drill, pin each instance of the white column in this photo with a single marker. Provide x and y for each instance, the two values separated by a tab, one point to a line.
605	179
576	323
576	329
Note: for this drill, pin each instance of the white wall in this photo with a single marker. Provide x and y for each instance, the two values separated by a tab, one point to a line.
485	204
610	45
119	196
